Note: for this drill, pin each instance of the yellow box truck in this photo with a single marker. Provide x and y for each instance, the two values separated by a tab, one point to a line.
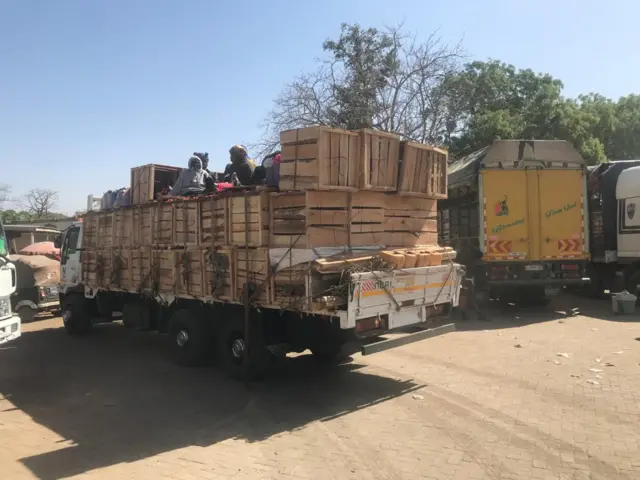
517	215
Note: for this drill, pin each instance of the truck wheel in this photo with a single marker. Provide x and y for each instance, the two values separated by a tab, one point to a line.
75	316
231	351
191	343
26	314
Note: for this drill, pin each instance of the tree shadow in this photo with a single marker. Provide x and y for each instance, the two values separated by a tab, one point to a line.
116	398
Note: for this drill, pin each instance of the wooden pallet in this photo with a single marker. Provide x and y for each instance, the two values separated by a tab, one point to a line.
319	158
148	180
424	171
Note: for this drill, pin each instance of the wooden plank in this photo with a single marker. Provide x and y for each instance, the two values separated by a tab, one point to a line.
142	275
187	224
164	225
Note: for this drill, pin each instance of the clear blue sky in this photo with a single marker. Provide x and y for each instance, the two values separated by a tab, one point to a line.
90	88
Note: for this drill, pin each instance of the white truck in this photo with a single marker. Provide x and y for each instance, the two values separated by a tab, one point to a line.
614	227
9	321
246	337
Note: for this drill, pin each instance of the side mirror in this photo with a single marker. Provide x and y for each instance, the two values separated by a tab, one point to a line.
58	241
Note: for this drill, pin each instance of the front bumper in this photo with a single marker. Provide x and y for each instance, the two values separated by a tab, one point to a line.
9	329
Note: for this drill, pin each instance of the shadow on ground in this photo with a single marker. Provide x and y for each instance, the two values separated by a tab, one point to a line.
115	396
500	316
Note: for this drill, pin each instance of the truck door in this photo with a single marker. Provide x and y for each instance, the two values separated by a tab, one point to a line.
562	227
506	214
71	273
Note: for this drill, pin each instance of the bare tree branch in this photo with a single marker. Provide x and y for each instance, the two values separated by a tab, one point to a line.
40	201
409	97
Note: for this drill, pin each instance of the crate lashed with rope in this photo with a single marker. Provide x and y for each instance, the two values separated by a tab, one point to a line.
214	218
219	279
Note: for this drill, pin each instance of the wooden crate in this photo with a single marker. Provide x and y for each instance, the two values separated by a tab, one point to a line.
164	226
290	289
98	230
319	158
309	219
248	219
410	222
187	223
148	180
252	268
213	221
96	268
142	270
143	225
218	267
423	172
123	227
379	160
190	271
367	218
120	269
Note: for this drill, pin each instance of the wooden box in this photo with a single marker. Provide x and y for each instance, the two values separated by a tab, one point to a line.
120	269
189	273
410	222
248	219
143	225
213	221
252	271
123	227
187	223
423	172
142	270
218	267
163	224
367	218
309	219
290	287
149	180
319	158
96	268
380	160
98	230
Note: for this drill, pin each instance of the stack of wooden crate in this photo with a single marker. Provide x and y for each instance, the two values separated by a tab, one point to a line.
339	190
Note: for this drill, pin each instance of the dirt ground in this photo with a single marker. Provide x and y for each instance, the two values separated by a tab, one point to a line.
492	400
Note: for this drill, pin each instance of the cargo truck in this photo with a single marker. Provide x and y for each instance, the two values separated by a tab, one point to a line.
614	197
517	215
223	302
9	321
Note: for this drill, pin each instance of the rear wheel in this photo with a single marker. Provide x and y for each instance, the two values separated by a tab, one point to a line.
232	346
26	314
190	337
329	354
75	315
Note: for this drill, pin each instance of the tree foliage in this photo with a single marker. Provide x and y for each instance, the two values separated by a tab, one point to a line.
422	90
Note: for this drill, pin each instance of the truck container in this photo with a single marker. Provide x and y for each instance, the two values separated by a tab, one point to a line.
517	215
252	275
614	196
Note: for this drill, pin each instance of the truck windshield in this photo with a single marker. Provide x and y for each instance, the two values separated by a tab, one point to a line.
3	241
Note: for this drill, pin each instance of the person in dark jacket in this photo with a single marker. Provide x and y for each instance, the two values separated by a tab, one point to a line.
240	165
192	180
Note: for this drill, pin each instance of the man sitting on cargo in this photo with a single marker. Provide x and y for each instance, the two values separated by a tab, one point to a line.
191	181
240	165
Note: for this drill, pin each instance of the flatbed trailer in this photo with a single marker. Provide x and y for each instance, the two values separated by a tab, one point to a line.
242	303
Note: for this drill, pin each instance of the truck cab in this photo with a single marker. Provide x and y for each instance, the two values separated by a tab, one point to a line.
9	321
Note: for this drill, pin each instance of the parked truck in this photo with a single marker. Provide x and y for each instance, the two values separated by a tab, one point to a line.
246	305
614	197
517	215
9	321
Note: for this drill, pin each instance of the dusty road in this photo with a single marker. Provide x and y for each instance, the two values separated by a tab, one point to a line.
494	400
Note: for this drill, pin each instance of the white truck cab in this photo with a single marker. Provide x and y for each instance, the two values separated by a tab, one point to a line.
9	321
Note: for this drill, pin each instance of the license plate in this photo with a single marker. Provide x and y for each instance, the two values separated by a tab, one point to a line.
533	268
551	291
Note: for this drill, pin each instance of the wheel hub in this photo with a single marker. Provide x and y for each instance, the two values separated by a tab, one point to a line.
182	338
237	348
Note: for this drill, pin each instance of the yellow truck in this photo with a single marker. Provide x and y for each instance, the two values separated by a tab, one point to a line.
517	215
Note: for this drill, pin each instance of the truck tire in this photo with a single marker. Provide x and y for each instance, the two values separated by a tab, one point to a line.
26	314
191	342
75	316
231	347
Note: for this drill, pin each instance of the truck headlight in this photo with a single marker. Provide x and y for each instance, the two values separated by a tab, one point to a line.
5	307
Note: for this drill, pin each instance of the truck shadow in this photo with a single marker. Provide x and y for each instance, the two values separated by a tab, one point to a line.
114	398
